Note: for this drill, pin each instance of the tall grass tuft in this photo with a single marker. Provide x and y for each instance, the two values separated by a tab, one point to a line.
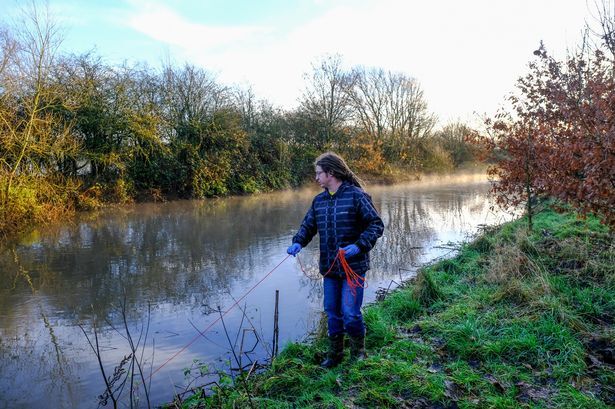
515	259
402	306
426	291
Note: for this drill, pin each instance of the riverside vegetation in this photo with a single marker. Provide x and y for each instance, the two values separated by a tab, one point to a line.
516	319
77	133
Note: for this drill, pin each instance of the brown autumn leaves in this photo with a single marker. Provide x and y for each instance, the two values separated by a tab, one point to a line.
558	138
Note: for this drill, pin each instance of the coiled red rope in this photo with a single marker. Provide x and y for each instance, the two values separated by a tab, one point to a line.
353	279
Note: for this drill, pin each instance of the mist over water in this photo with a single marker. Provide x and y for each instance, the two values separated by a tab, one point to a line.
180	261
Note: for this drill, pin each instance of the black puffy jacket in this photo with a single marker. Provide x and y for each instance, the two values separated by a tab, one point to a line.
346	217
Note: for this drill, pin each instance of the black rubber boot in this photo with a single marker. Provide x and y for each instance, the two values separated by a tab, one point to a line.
357	348
335	354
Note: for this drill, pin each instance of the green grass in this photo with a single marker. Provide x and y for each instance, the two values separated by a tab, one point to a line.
515	320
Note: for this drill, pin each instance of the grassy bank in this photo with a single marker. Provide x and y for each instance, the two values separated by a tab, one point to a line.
515	320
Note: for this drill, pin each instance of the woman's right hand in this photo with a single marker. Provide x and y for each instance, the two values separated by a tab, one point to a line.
294	249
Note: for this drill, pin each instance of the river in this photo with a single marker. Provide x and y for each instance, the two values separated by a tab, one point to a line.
173	264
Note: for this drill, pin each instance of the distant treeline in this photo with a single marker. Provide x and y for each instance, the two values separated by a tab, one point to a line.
77	132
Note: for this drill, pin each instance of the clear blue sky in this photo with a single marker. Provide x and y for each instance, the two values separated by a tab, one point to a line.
466	54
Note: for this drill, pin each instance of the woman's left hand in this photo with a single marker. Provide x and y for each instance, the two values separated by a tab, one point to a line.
351	250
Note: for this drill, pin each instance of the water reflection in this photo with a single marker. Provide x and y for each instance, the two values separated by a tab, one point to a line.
183	258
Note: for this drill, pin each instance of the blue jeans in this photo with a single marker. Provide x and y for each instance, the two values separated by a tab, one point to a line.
343	308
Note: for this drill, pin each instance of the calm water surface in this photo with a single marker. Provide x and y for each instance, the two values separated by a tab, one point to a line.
179	261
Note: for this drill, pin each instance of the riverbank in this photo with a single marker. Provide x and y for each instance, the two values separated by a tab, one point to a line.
514	320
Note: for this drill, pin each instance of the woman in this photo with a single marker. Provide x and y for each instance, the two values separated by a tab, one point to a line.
345	219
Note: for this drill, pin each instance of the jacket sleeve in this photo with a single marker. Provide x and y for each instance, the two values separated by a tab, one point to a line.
372	222
308	229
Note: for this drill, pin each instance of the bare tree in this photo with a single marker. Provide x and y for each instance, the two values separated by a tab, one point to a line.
408	116
191	95
604	14
31	133
369	101
8	48
391	108
326	99
245	102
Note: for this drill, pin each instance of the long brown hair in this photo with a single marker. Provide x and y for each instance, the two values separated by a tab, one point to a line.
335	165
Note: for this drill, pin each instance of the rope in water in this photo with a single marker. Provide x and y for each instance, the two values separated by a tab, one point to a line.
353	279
216	320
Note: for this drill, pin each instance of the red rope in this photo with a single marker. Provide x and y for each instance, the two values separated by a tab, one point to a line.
301	267
353	279
216	320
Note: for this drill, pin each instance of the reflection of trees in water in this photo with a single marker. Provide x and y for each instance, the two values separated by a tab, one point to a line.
34	355
408	228
183	252
173	252
311	280
413	221
193	251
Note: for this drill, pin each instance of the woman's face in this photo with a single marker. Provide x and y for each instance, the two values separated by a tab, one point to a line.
324	179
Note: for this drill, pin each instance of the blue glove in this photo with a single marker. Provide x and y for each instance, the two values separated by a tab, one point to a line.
294	249
351	250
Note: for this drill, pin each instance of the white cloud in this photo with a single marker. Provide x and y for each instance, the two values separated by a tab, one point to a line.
163	24
467	55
